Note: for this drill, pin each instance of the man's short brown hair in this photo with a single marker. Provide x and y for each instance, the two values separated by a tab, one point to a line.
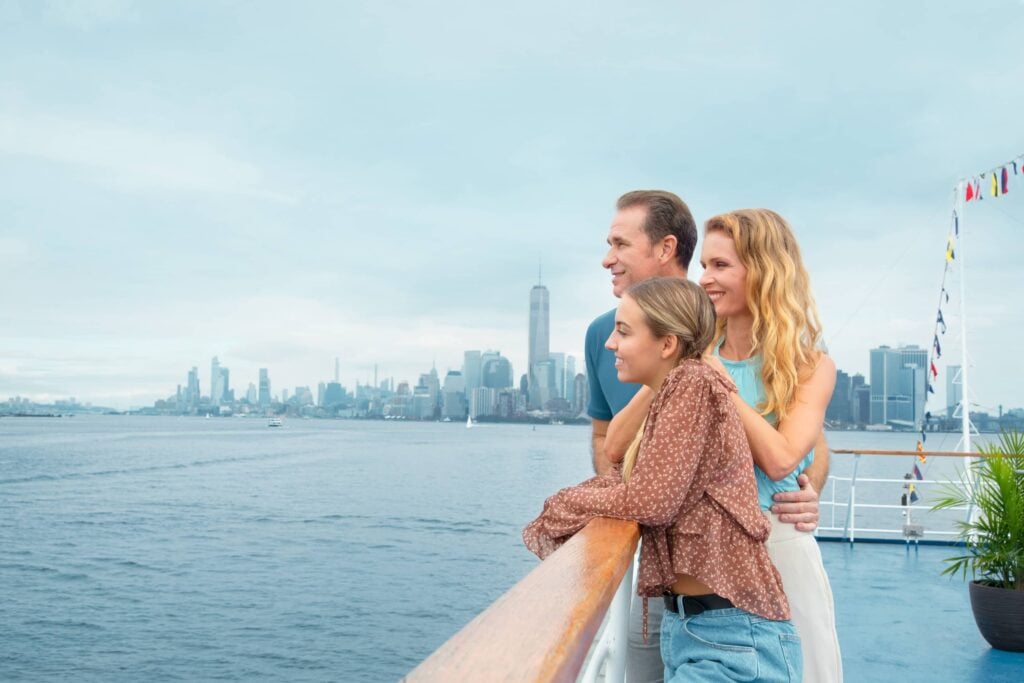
667	214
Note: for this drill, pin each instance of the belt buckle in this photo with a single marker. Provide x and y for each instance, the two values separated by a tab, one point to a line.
691	607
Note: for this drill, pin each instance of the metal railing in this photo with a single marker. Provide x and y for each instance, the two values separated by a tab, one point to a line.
568	619
831	505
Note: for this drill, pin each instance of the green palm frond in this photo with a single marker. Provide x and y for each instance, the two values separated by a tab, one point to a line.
994	538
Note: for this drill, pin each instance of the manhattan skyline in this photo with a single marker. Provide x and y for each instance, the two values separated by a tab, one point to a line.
280	187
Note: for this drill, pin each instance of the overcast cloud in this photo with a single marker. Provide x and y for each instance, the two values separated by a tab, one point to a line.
279	185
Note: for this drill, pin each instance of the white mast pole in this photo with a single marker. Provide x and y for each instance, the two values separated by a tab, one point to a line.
965	412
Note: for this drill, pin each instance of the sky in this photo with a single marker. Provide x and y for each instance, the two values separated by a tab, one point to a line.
280	184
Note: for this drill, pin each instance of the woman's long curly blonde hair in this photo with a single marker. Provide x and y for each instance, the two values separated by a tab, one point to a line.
786	328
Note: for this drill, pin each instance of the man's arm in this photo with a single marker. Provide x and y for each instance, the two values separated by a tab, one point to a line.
801	507
599	429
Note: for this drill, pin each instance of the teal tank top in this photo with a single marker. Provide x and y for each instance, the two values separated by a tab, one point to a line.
747	376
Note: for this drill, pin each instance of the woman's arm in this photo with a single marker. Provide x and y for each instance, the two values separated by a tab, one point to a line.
800	507
625	424
778	450
662	478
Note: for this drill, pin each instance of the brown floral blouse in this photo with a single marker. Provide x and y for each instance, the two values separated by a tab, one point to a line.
693	493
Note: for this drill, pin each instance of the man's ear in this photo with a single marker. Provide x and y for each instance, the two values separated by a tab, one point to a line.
668	248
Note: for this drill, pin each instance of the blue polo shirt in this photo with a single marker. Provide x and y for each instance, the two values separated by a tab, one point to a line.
607	394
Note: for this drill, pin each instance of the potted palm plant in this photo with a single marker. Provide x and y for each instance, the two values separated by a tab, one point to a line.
994	539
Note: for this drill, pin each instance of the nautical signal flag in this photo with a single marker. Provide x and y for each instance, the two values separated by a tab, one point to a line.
997	180
949	251
913	494
920	454
917	473
940	321
935	370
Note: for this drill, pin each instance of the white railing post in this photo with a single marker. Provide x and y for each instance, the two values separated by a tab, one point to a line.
611	645
851	506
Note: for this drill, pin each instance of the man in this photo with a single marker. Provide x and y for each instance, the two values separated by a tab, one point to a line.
653	234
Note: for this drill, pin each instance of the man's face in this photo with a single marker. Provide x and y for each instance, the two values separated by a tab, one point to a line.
631	257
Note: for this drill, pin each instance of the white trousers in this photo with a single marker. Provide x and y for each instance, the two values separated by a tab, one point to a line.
797	557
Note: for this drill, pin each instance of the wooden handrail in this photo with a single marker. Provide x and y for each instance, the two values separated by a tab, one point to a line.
949	454
541	628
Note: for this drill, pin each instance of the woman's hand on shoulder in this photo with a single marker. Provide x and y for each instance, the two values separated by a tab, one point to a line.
716	364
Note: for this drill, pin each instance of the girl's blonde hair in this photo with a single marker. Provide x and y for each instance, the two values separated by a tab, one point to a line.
786	327
677	307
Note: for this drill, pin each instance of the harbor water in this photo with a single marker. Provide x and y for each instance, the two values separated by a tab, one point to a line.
136	548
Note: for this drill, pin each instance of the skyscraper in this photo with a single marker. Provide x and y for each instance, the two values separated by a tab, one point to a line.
472	370
264	388
540	338
898	385
839	409
192	392
215	388
496	370
558	371
218	382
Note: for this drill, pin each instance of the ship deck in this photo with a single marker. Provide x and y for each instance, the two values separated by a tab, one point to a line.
899	619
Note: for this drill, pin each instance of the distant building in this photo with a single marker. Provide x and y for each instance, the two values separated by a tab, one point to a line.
302	396
192	390
334	395
569	380
472	370
581	394
264	388
839	408
539	340
218	381
543	381
431	385
250	394
482	401
497	370
898	385
454	395
558	374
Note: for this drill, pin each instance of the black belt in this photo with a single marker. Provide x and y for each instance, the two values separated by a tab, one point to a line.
692	605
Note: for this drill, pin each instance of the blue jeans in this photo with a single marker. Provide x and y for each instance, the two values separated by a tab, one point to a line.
729	645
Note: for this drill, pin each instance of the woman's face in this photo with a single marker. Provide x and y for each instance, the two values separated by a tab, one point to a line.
725	277
638	353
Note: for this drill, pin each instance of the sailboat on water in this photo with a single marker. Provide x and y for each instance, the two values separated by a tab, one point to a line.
469	422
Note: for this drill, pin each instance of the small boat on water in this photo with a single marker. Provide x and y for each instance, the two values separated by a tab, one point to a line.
275	422
469	422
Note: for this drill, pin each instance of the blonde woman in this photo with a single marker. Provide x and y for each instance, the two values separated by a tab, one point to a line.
767	341
689	481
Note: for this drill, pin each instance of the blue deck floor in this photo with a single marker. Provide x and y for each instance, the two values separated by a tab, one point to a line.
900	621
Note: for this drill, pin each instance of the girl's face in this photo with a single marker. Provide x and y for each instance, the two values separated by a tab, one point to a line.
640	357
725	277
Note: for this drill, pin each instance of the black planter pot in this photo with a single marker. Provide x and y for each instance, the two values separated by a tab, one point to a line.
999	613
